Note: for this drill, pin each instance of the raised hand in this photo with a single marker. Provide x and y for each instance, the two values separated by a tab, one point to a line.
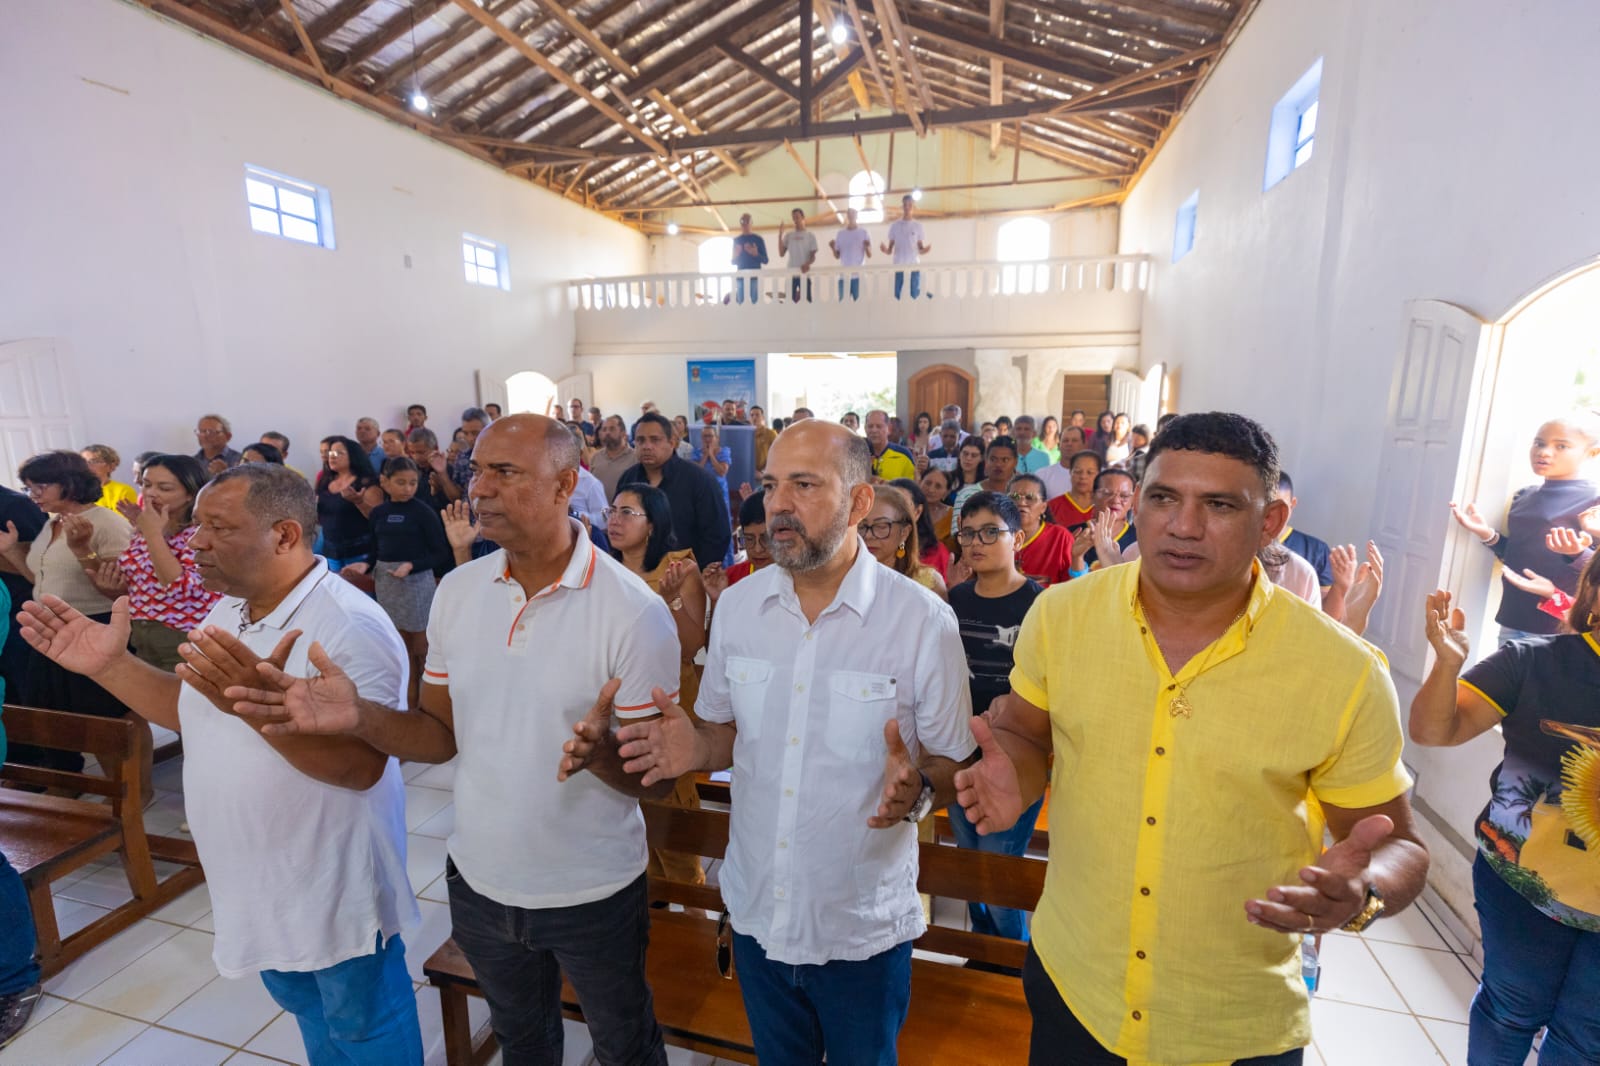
9	537
1589	521
68	637
460	529
216	466
1332	892
79	532
1566	541
215	661
108	578
745	491
673	576
1471	521
959	571
589	733
1530	582
325	704
988	790
1446	630
439	464
1103	530
662	748
1342	560
715	580
1364	593
902	783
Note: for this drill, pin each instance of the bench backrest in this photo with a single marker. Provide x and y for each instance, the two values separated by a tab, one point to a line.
118	744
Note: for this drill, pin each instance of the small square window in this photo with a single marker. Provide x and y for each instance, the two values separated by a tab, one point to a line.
485	262
287	207
1291	136
1183	230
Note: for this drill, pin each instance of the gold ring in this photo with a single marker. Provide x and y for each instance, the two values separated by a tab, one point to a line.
1311	923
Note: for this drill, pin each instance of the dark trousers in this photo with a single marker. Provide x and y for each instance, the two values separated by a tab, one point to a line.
849	1011
519	956
1059	1039
794	289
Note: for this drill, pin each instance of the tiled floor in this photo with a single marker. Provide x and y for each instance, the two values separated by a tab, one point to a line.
151	997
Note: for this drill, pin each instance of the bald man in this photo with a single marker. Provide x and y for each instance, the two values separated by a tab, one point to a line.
844	730
546	867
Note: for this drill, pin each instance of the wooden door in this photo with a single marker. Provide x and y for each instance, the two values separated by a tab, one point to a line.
938	386
1089	393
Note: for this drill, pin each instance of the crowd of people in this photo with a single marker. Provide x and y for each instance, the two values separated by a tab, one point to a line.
583	611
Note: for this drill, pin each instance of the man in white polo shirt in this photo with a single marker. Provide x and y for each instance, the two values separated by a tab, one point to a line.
843	728
852	246
546	866
308	882
906	246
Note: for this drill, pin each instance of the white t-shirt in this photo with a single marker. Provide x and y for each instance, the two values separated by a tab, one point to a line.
303	875
521	671
852	245
589	498
802	245
906	235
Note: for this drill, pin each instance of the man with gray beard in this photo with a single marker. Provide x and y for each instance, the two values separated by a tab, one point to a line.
836	688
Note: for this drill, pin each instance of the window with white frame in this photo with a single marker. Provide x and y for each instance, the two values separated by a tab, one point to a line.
1291	137
287	207
1023	240
1183	228
485	262
866	196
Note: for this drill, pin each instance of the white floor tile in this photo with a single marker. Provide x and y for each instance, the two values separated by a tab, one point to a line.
108	958
281	1040
1410	926
1433	983
75	1035
226	1010
436	890
245	1058
677	1056
1314	1057
159	1047
423	803
46	1006
577	1049
412	770
1351	975
159	980
424	860
72	915
440	825
434	930
187	908
105	887
1350	1035
442	775
1450	1038
168	777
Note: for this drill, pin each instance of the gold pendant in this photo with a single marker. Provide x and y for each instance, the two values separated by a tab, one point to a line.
1180	706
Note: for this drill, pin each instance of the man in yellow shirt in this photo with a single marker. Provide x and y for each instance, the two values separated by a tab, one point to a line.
764	435
889	461
1192	708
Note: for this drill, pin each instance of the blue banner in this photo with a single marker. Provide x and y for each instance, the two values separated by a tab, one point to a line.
712	381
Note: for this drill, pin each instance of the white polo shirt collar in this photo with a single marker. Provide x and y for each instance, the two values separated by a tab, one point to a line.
280	616
577	576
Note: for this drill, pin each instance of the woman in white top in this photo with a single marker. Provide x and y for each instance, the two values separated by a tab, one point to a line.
1119	447
79	537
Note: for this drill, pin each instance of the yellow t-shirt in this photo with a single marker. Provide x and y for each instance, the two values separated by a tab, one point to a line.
892	464
115	492
1163	825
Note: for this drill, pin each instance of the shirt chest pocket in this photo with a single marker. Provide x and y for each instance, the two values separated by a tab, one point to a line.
748	681
859	705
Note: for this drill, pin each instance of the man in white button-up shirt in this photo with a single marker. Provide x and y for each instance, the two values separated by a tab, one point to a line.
837	690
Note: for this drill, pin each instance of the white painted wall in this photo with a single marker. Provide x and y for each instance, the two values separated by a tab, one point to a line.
126	236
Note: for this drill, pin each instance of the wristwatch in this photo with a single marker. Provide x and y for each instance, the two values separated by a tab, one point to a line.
1369	914
924	804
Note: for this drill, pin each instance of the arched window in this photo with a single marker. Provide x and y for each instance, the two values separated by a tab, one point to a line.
716	255
1023	240
866	196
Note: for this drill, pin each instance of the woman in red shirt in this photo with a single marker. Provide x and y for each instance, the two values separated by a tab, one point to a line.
1046	552
1076	506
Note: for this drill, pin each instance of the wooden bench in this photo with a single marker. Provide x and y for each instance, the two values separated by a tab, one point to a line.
957	1015
47	837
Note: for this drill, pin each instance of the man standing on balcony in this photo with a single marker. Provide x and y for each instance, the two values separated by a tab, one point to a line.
852	246
801	248
749	253
906	246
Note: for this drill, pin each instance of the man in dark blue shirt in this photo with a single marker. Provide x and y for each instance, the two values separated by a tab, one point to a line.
699	507
749	253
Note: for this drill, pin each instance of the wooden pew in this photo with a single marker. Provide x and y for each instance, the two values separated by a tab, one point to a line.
957	1015
47	837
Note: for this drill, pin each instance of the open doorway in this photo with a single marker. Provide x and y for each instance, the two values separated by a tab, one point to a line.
529	390
832	383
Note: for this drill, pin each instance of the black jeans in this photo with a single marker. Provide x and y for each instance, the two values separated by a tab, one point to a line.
519	956
1059	1039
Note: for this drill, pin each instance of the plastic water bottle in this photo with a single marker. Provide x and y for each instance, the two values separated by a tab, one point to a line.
1310	967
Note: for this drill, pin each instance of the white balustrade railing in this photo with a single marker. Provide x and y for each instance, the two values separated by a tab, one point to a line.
868	284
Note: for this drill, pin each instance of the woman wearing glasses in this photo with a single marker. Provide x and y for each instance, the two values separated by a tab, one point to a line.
890	530
1045	552
990	608
1112	521
639	526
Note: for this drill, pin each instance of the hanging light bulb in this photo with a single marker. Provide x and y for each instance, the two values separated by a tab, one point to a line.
419	101
840	33
916	194
672	229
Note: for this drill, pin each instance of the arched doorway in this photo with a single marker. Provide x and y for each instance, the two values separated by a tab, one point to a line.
529	390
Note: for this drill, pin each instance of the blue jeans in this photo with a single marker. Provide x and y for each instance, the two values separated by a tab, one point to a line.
519	956
916	283
1507	635
855	288
996	921
18	971
1059	1038
1537	972
755	292
359	1011
794	289
852	1011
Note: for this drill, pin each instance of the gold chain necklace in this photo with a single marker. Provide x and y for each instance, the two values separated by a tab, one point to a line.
1180	707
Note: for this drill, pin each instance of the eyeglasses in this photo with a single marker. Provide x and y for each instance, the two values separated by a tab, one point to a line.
620	512
35	490
1027	497
744	540
985	535
208	432
881	529
1107	494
